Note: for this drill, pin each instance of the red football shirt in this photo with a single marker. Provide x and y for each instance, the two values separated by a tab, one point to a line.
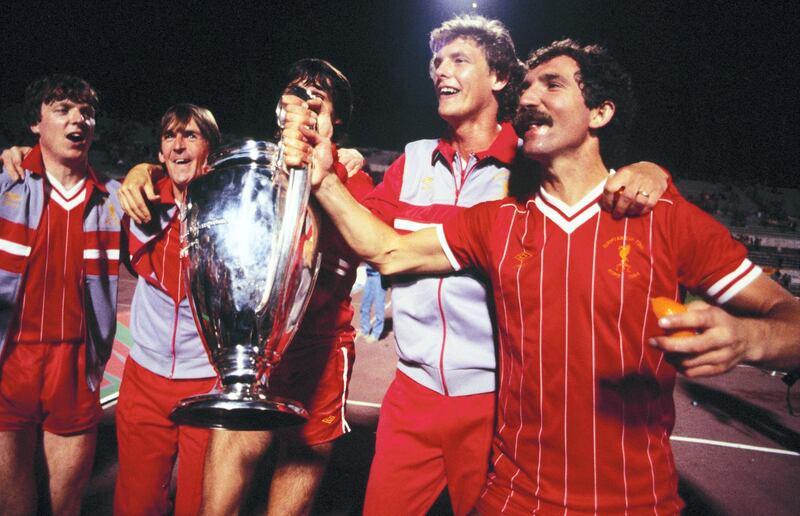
51	309
584	403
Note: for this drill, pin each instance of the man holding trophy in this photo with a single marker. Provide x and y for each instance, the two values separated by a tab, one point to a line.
317	367
168	362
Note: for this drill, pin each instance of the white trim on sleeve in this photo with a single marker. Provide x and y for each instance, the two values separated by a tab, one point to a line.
446	248
717	287
739	285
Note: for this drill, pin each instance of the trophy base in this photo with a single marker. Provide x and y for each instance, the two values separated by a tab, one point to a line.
261	412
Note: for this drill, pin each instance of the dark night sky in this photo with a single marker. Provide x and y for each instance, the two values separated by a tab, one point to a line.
716	81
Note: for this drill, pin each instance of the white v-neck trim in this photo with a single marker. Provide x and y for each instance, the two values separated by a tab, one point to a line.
66	194
571	210
67	199
571	217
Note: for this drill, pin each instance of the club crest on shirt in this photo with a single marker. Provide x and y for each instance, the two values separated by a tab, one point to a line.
623	246
328	420
11	199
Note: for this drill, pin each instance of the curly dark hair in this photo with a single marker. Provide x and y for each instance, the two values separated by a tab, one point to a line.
53	88
601	79
328	78
495	40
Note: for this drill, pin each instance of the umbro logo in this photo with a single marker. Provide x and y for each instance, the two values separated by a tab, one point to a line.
522	257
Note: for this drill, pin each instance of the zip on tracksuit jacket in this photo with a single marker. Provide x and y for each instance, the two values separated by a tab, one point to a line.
442	324
166	338
21	206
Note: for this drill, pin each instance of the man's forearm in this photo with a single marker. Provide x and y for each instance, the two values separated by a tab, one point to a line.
775	339
367	235
376	242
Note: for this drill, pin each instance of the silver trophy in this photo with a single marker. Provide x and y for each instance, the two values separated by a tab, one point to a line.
250	251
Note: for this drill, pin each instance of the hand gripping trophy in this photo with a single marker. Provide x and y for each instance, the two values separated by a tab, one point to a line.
250	251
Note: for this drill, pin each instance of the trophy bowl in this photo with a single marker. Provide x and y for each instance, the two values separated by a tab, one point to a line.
249	249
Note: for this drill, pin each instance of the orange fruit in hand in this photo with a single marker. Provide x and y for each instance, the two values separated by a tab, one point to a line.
663	306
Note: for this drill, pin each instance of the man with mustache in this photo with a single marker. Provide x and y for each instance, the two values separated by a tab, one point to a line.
436	420
59	257
586	373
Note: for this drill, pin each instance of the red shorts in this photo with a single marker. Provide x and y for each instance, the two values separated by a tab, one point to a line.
149	442
427	441
45	384
316	373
